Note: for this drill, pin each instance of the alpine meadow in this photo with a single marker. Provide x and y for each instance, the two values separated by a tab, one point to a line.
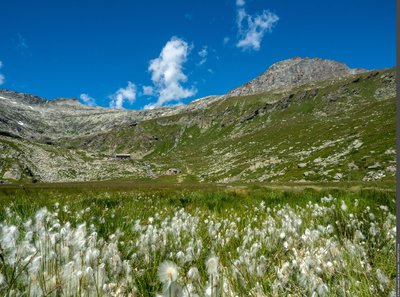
284	185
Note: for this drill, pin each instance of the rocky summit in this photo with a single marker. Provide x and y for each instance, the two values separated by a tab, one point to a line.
294	72
301	120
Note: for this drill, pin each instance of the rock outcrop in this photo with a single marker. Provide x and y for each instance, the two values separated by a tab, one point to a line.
294	72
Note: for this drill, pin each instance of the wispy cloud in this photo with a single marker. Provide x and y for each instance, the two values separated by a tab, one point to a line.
122	95
252	28
21	42
22	45
203	53
2	78
226	40
148	90
167	73
86	99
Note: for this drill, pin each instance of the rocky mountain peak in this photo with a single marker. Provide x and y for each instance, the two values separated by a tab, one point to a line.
16	97
67	102
294	72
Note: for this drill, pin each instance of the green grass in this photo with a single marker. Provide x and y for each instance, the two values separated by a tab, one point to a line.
32	197
114	207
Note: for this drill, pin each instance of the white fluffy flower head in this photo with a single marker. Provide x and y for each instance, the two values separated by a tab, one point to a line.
167	272
343	206
193	273
212	265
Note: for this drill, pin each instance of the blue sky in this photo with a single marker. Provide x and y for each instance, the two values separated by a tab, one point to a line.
136	54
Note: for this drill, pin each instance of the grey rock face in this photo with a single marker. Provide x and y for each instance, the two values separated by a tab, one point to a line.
294	72
13	173
31	117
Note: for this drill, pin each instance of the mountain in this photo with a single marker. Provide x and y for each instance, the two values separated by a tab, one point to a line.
294	72
301	120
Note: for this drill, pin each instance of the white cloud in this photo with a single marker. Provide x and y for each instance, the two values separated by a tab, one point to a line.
155	105
203	53
167	73
240	3
2	78
123	94
148	90
251	29
150	106
226	40
85	98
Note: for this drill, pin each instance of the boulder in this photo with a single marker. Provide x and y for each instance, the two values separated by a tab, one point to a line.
173	171
14	172
301	165
338	176
308	173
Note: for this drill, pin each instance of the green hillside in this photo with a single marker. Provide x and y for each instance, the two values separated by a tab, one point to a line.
335	130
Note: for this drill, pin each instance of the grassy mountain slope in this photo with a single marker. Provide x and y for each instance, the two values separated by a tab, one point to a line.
335	130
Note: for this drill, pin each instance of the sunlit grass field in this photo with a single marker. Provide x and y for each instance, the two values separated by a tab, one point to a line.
196	240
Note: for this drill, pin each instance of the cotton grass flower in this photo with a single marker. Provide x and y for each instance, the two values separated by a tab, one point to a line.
193	274
212	270
167	272
212	265
343	206
382	278
67	254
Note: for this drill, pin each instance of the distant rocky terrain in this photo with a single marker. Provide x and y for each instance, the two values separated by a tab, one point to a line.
294	72
301	120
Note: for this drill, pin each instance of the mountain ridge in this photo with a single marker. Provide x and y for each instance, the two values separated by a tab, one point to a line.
340	70
294	72
307	132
